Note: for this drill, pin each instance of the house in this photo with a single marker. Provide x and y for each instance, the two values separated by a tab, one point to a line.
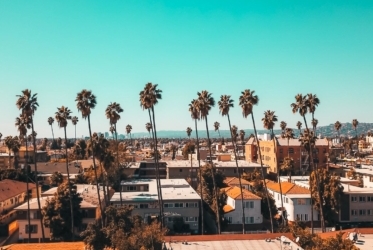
296	201
12	194
235	182
233	208
89	206
179	200
275	150
366	173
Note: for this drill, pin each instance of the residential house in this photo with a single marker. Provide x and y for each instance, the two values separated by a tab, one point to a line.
233	208
235	182
89	206
179	200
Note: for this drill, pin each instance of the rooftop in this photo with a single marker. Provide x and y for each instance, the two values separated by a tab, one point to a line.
51	167
172	189
11	188
235	181
235	193
218	164
288	188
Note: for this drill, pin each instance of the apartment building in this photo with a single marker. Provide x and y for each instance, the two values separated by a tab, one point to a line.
233	208
179	200
274	152
146	170
366	173
89	207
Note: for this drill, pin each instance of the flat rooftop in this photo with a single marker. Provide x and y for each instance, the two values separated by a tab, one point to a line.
218	164
172	189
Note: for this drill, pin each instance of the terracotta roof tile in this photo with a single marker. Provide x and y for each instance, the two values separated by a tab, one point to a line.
235	193
11	188
287	188
235	181
227	209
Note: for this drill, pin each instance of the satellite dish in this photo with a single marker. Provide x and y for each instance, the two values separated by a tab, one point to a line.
297	239
283	238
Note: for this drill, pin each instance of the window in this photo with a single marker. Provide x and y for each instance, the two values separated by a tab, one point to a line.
249	220
180	170
280	150
229	219
191	204
169	205
286	200
249	204
11	201
370	198
33	229
306	217
361	198
131	188
234	171
362	212
190	219
179	204
370	212
301	201
144	205
353	212
291	150
353	199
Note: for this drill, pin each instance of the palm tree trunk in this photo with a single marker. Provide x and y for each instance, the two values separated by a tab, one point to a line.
75	134
27	192
120	181
278	179
262	168
200	179
95	168
318	187
157	174
289	158
54	150
69	183
238	176
37	181
216	191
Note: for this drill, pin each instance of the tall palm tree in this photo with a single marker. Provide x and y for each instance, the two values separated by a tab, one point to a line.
148	99
247	101
269	120
112	113
128	130
301	106
16	144
314	123
50	122
195	114
85	102
148	127
288	134
355	123
337	126
217	126
225	104
28	104
189	131
74	121
242	138
205	103
299	126
234	133
283	125
312	102
62	116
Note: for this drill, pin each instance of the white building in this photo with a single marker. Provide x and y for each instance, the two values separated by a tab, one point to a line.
179	199
233	208
296	200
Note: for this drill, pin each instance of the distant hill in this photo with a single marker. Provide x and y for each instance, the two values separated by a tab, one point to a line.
328	131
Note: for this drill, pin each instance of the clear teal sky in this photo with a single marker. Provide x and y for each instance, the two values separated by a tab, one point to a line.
278	48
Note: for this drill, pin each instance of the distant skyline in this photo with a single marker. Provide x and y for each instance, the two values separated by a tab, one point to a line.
277	48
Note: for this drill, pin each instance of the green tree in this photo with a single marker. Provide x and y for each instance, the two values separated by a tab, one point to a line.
225	104
330	191
56	179
247	101
57	213
85	102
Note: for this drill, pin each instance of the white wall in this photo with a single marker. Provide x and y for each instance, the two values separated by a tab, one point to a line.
236	214
366	181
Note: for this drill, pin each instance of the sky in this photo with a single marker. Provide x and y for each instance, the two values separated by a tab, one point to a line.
277	48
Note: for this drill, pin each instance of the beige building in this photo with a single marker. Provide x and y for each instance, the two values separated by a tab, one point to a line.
89	207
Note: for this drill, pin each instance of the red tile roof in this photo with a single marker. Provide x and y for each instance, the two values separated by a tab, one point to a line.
11	188
235	193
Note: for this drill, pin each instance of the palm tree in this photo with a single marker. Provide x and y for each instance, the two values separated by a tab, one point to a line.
62	116
16	144
242	138
247	101
189	131
288	134
195	114
148	99
217	126
355	123
205	103
283	125
301	106
112	113
28	103
234	133
314	123
337	126
23	124
299	126
50	122
312	102
148	127
128	130
269	120
225	104
85	102
74	121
